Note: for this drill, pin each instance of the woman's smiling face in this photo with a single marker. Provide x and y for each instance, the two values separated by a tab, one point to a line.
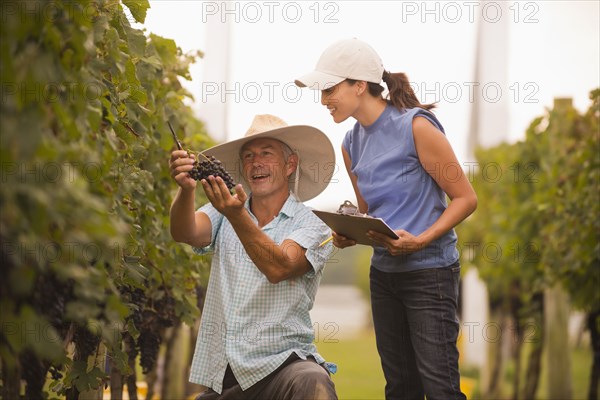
341	100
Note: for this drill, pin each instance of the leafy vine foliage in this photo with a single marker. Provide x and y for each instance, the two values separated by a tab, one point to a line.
538	221
87	263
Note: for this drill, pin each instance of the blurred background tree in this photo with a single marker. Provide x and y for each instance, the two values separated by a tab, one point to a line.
536	231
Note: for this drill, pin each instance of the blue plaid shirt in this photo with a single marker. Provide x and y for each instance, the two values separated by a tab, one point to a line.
247	321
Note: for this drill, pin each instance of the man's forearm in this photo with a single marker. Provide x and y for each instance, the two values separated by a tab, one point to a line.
276	262
183	223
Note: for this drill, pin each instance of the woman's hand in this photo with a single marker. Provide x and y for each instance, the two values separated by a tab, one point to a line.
221	198
180	164
405	244
341	242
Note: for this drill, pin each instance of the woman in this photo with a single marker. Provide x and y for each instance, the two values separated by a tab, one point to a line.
402	167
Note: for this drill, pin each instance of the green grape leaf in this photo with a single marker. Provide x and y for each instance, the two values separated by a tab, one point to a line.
138	9
136	41
166	48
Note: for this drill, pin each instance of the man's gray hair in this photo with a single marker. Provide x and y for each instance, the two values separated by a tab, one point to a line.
287	151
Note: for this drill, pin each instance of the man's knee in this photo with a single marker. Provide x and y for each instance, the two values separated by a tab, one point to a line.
311	381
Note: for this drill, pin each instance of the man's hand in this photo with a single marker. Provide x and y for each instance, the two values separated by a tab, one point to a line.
220	197
180	164
405	244
187	225
341	242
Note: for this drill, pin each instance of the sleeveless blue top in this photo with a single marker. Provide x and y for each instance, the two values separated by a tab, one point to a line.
398	189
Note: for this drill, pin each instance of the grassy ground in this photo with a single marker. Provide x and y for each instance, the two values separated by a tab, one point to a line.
359	373
581	362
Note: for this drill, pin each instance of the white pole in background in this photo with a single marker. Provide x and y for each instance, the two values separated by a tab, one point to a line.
215	78
489	126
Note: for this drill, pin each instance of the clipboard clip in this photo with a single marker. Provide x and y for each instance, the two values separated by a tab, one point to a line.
347	208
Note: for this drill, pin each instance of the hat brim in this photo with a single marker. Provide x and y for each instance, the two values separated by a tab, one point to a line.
314	149
318	80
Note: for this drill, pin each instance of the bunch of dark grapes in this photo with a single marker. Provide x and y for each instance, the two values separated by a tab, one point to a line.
214	167
34	374
149	344
55	373
86	343
136	298
155	320
49	299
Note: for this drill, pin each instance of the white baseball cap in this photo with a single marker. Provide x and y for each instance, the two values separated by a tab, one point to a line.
345	59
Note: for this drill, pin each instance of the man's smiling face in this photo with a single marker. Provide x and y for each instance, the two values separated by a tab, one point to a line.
265	166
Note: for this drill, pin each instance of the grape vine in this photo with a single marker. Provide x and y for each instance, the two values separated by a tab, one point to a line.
85	250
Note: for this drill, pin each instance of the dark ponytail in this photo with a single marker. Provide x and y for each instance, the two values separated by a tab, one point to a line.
400	93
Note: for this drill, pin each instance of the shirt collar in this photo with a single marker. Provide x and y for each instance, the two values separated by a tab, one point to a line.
289	207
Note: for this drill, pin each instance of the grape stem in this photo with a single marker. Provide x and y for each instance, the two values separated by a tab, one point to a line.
206	158
178	143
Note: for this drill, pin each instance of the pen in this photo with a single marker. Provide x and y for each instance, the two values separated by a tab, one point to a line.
326	241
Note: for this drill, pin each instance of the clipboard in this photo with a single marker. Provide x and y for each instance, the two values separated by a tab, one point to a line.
355	227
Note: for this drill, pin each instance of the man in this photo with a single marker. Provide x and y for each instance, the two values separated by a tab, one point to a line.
256	336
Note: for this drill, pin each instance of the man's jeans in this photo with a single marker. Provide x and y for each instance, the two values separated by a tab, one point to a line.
416	328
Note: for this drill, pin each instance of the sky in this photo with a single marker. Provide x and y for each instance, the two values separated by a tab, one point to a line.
553	51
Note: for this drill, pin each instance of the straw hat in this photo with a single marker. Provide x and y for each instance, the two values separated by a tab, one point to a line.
316	158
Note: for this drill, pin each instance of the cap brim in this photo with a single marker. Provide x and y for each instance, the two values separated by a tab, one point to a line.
317	80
